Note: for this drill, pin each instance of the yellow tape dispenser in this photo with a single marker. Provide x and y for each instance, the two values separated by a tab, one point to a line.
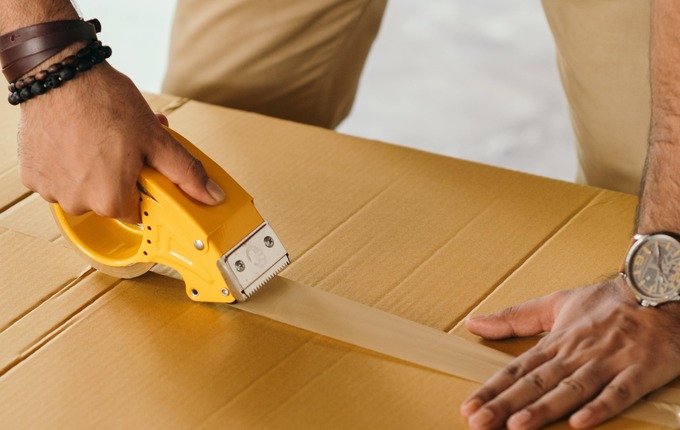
224	253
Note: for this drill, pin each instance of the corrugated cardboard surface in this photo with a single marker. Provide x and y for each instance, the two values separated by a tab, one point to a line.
425	237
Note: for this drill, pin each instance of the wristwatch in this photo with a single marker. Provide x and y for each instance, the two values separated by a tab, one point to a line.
652	268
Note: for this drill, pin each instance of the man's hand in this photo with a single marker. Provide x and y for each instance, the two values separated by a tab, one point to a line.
603	353
84	144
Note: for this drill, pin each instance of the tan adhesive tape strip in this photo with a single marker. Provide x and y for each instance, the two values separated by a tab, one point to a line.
341	319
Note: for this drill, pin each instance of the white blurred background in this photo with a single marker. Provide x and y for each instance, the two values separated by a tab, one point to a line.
470	79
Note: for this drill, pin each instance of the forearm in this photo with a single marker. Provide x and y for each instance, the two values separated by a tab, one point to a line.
16	14
659	208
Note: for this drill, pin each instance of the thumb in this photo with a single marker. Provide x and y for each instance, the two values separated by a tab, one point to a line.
172	160
526	319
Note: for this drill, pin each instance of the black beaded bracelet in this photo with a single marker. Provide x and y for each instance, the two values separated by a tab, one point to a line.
26	88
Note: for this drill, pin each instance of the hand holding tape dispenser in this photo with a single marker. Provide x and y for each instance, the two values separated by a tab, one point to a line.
224	252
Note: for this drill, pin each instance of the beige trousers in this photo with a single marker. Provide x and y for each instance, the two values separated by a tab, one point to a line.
603	58
293	59
301	60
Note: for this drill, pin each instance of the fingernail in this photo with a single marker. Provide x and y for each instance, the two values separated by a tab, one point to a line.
470	406
475	317
581	417
482	418
215	191
520	418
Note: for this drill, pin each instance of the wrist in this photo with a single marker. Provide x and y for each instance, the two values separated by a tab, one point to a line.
39	58
60	56
56	74
17	14
651	266
26	48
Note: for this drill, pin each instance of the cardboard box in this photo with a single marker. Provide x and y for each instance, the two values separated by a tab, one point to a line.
421	236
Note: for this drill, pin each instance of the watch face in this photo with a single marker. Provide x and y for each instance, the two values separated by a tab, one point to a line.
654	266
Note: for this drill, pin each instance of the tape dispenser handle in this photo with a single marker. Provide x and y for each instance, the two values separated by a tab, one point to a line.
118	248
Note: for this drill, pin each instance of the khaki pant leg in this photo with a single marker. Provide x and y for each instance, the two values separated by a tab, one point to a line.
603	58
294	59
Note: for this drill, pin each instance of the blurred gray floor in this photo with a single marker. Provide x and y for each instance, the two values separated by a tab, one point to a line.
470	79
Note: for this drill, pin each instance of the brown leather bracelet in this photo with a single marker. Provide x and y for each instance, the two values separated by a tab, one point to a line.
19	68
23	34
47	41
26	48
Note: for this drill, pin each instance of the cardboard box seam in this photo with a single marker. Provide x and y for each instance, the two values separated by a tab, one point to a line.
339	225
347	347
177	104
308	383
16	200
60	289
34	345
436	251
56	293
522	262
60	326
269	371
68	321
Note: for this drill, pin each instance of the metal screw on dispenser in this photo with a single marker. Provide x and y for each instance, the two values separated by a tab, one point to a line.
240	265
268	242
225	292
198	244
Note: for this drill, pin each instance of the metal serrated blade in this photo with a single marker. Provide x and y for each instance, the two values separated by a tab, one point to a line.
253	262
266	277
